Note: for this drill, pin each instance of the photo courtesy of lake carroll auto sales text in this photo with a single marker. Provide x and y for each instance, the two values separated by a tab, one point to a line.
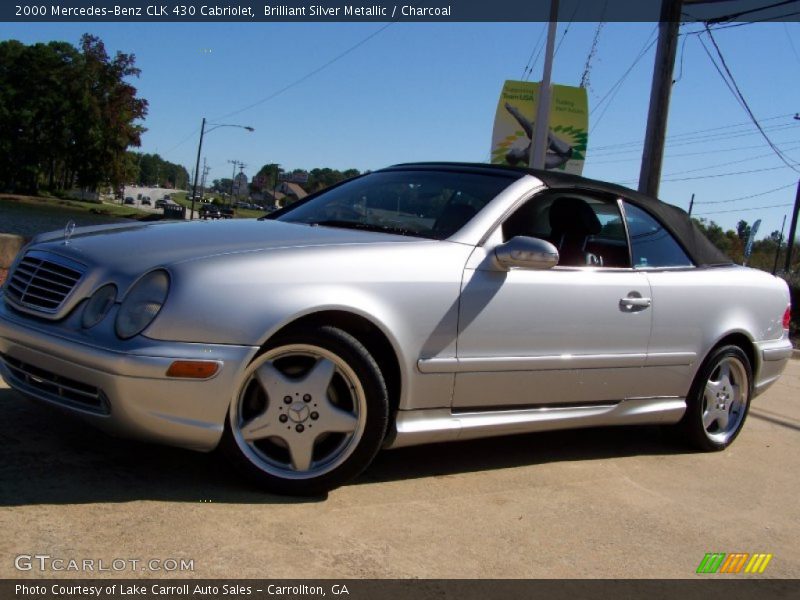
442	299
171	590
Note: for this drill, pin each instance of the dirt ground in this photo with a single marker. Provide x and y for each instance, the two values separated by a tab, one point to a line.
618	503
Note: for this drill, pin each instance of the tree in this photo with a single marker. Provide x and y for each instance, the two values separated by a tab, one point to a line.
743	230
151	169
222	186
270	172
66	115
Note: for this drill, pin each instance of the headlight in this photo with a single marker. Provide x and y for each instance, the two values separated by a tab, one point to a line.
142	304
98	306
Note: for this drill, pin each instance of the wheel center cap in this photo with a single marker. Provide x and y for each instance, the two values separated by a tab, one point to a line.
298	412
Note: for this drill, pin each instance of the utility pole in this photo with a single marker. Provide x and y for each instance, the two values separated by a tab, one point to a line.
653	152
541	128
778	249
206	170
691	204
792	231
234	162
197	167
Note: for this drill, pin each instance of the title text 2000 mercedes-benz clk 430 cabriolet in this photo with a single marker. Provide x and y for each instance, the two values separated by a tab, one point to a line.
420	303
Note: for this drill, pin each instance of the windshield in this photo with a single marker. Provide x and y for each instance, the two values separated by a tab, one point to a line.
427	204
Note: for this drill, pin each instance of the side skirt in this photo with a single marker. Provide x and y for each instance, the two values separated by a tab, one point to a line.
413	427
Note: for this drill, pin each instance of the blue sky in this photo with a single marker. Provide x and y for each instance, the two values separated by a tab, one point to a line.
429	91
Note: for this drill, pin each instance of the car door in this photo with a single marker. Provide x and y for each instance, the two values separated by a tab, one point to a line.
573	334
683	300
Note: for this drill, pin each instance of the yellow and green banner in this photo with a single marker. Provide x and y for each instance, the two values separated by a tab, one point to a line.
514	123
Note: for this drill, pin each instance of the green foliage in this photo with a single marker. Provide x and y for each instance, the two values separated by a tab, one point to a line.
67	115
319	179
151	169
222	186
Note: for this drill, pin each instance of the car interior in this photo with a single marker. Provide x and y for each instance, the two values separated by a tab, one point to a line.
586	230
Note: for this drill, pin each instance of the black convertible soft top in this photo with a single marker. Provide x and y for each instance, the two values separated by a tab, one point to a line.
702	252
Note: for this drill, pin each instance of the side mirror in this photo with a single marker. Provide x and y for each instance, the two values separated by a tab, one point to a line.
526	253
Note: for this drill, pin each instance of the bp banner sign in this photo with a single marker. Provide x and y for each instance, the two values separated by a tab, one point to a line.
514	123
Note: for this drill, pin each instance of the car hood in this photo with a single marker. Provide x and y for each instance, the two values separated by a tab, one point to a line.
129	248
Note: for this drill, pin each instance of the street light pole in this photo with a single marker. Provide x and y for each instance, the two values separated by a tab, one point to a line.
200	148
197	166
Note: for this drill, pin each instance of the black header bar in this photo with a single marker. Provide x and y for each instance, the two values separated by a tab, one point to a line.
257	11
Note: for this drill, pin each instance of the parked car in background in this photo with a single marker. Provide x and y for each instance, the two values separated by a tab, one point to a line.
129	200
415	304
227	212
161	203
146	201
210	211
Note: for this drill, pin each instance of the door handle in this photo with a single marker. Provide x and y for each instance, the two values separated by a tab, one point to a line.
632	303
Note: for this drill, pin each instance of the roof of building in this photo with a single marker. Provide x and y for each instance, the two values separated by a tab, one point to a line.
293	189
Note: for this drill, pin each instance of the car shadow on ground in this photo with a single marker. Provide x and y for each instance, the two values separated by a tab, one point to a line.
506	452
49	459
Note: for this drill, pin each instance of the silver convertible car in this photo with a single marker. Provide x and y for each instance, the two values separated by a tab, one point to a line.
419	303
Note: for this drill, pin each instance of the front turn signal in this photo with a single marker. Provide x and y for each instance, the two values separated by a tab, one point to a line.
193	369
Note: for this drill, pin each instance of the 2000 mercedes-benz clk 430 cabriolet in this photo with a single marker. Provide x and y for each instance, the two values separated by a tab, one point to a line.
420	303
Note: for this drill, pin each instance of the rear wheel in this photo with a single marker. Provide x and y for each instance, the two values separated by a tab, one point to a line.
310	414
719	400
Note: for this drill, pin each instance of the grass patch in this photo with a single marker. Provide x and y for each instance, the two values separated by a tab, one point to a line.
105	208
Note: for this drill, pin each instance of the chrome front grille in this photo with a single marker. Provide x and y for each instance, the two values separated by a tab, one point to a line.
42	281
45	384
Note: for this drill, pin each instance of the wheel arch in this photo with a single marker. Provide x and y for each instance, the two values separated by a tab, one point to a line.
743	341
380	345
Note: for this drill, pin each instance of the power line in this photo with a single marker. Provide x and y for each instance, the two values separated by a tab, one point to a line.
740	96
566	29
697	131
611	94
696	137
791	42
772	19
183	141
719	212
528	65
732	16
729	174
647	45
728	200
684	154
725	164
308	75
683	51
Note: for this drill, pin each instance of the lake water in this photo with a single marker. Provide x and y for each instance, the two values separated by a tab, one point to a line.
31	219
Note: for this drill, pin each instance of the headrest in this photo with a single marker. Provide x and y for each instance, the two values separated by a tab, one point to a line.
573	215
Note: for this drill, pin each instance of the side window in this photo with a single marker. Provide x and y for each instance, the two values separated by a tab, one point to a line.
587	230
651	244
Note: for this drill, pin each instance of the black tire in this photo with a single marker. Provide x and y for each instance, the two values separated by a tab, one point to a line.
356	384
709	396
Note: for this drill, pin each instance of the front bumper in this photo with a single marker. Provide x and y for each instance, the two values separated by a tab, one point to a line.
124	390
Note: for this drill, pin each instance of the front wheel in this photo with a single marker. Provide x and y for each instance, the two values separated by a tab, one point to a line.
719	400
310	414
